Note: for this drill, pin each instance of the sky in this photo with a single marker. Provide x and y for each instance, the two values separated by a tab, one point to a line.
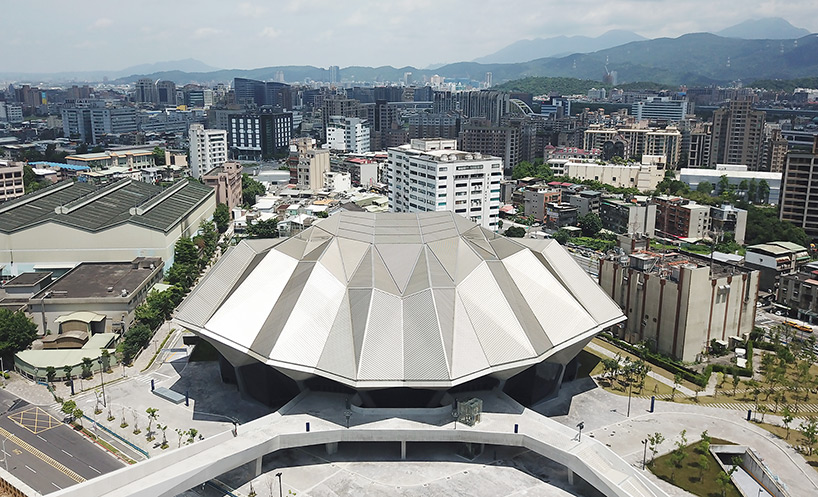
79	35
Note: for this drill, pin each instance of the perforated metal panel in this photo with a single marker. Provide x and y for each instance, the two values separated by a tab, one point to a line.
423	353
338	355
382	353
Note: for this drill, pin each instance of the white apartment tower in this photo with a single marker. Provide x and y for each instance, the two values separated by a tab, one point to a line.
432	175
208	149
348	134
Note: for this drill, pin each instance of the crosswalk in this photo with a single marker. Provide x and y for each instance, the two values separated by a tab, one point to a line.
146	379
799	410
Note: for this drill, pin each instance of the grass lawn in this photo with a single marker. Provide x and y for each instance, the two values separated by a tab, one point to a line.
616	350
690	475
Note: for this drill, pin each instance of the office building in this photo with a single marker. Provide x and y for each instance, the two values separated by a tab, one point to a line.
145	91
678	303
644	177
166	92
69	222
736	175
260	135
348	134
738	135
250	92
586	201
725	219
11	113
312	164
226	180
432	175
208	149
775	260
628	217
428	125
799	198
660	109
678	217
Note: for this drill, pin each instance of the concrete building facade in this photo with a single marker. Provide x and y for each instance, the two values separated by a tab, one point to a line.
628	218
738	135
432	175
312	164
226	180
348	134
799	195
677	304
11	180
208	149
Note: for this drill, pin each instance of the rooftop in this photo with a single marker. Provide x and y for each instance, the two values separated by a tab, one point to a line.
94	208
27	279
427	300
102	279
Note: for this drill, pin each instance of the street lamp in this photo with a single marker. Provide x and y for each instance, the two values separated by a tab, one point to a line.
102	381
630	388
645	453
580	426
5	454
280	490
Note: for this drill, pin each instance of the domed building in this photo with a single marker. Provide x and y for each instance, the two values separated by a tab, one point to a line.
397	310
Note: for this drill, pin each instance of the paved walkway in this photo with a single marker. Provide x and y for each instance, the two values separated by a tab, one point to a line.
605	416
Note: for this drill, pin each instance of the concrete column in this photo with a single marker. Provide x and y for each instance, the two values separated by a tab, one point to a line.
331	448
403	450
570	477
257	468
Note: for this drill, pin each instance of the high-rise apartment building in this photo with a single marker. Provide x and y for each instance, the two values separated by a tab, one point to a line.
166	92
208	149
799	198
738	135
479	135
432	175
348	134
11	180
775	149
260	93
312	164
334	75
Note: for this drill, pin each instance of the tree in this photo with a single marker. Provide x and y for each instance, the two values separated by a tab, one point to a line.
68	407
786	418
677	380
736	381
590	224
723	479
50	373
67	370
809	432
159	156
514	232
752	190
654	441
562	236
704	464
17	332
78	414
182	276
250	188
705	187
221	216
87	364
263	229
763	194
724	184
185	252
153	415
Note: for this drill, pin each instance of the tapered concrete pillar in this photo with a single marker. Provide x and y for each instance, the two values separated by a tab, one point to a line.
331	448
570	477
257	467
403	450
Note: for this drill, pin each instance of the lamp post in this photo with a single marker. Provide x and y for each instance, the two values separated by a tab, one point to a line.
280	490
580	426
5	454
102	381
630	388
645	453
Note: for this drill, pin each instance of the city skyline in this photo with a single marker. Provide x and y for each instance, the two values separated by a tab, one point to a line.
322	33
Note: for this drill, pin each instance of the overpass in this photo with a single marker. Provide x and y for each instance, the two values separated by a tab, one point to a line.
318	418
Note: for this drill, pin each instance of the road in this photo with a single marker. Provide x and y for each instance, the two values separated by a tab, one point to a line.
44	452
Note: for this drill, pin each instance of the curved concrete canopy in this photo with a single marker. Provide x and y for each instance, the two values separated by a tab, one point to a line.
425	300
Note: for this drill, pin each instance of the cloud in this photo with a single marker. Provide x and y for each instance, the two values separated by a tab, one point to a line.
206	33
102	22
248	9
269	32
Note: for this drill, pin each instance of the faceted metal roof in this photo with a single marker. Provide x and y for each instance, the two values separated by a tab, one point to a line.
426	300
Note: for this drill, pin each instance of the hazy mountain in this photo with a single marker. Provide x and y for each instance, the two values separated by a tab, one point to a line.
769	28
184	65
526	50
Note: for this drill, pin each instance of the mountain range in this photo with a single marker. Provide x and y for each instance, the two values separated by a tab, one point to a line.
692	59
558	46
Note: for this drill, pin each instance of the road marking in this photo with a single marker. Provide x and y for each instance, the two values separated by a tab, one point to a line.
39	455
95	469
58	487
35	420
29	468
41	438
68	454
